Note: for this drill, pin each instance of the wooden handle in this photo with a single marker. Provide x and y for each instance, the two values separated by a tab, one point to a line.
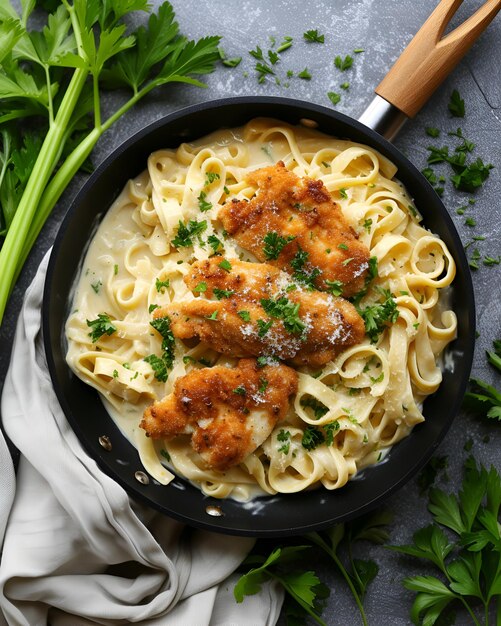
429	58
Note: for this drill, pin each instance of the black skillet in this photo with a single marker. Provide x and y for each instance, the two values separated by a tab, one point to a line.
278	515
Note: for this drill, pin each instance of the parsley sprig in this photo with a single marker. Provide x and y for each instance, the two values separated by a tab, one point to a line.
306	595
55	76
102	325
186	233
161	364
282	308
463	545
377	316
274	244
484	398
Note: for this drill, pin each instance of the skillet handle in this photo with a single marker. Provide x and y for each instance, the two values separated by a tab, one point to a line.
429	57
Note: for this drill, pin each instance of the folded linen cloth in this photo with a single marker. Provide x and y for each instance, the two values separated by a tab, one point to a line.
77	550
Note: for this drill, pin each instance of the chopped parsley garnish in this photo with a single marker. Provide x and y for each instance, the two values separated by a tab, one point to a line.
186	232
96	286
347	261
342	246
152	307
165	454
334	97
313	36
319	409
263	327
159	367
162	326
305	74
335	287
273	57
212	316
226	190
432	131
330	429
223	293
100	326
201	287
367	224
210	177
240	390
286	43
377	316
257	53
233	62
225	265
161	285
115	373
263	385
262	361
263	69
284	438
345	85
490	261
274	244
312	437
358	50
456	104
303	276
214	243
470	221
287	311
343	194
343	64
203	204
475	258
245	315
115	269
380	378
188	359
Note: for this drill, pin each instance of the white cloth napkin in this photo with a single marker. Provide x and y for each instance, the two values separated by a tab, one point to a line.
77	550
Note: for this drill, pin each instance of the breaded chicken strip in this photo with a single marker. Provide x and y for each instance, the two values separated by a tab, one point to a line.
261	311
319	244
228	412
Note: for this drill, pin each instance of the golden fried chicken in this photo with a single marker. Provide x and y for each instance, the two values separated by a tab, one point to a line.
260	311
228	412
294	224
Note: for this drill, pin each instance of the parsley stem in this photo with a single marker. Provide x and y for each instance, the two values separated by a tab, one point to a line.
13	245
73	163
56	187
49	95
97	102
316	538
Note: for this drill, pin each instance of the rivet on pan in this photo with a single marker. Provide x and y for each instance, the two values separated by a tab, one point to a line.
308	123
215	511
142	478
104	441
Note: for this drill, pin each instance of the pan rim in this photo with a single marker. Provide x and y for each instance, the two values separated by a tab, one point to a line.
375	140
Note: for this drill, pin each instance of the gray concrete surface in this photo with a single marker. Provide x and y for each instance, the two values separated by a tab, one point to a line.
382	28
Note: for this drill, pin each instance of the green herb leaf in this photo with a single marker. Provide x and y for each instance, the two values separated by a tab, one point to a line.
456	104
377	317
186	232
343	64
282	308
102	325
222	293
334	97
304	74
203	204
274	244
312	36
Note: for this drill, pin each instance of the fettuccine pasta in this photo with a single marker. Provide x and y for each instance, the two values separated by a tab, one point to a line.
364	401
